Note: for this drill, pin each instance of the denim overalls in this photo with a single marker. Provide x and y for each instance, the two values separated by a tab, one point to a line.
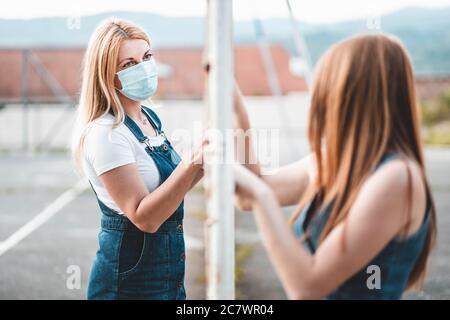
130	263
395	261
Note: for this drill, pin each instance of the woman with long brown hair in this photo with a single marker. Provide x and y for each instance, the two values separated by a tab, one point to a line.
366	222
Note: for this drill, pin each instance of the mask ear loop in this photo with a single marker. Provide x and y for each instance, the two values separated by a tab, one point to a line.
116	75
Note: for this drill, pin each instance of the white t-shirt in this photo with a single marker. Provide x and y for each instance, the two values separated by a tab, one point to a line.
106	148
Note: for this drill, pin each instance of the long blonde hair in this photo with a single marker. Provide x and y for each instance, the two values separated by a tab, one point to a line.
98	94
363	105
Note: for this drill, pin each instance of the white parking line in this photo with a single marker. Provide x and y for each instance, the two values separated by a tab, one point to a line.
43	216
192	243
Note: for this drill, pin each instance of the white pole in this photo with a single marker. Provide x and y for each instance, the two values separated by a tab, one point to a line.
220	224
302	49
267	59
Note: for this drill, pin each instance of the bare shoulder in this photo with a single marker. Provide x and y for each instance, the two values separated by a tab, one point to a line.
398	174
389	187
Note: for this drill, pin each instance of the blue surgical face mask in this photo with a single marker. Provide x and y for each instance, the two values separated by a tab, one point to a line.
139	82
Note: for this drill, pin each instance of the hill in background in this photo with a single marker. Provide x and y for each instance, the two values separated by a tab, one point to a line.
425	32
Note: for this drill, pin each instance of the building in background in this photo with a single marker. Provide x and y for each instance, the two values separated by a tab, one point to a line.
57	71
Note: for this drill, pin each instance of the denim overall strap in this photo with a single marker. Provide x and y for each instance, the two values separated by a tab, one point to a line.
165	157
156	122
155	119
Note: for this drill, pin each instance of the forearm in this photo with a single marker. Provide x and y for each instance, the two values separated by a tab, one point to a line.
290	182
244	150
156	207
198	177
293	264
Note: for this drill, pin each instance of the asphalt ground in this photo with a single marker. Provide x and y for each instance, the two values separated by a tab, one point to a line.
42	192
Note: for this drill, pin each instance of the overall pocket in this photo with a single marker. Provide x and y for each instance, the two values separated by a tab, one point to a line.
132	248
150	277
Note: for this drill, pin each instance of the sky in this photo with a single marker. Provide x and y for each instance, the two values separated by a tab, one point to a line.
312	11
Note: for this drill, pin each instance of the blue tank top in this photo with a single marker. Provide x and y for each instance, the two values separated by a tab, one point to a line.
395	261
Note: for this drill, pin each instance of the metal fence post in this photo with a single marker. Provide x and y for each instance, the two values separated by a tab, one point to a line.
220	264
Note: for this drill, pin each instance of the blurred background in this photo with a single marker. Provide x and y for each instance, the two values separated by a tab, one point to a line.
49	218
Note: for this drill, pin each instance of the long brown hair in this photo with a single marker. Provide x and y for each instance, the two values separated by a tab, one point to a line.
98	94
363	105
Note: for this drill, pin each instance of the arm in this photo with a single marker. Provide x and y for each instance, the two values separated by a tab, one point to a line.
110	152
369	226
244	151
148	210
288	182
198	177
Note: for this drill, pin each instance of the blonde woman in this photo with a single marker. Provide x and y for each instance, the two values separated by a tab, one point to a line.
366	222
138	178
